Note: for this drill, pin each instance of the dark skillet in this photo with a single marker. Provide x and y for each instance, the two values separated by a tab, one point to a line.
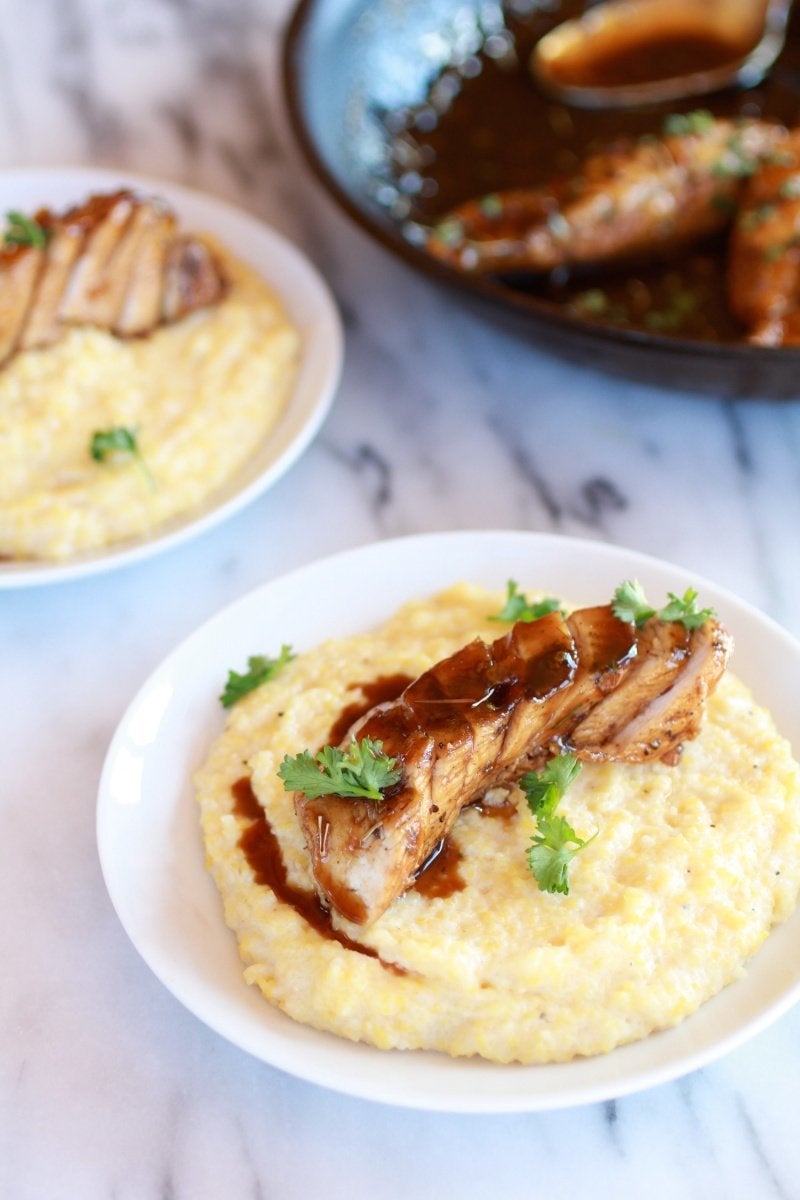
364	82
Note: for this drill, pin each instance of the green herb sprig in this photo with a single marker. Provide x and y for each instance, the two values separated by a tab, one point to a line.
362	771
107	444
629	603
260	670
700	120
519	608
25	231
555	842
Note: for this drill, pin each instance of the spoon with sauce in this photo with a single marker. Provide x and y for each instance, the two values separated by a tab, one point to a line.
627	53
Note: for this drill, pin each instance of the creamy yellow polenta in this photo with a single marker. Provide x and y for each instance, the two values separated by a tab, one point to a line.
691	867
201	395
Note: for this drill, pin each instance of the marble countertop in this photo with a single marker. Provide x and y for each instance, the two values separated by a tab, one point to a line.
108	1087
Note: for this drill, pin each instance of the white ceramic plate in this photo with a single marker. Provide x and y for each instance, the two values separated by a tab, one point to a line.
152	857
306	298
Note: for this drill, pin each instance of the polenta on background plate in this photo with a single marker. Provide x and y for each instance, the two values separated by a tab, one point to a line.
200	394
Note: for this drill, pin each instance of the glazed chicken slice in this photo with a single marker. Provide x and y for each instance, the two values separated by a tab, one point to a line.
19	270
43	323
605	649
191	278
659	704
143	305
764	260
634	198
474	721
89	298
116	262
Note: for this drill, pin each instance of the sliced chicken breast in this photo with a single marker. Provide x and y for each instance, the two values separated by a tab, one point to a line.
474	721
481	718
115	262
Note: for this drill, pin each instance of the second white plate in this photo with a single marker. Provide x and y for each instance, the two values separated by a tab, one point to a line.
152	855
306	298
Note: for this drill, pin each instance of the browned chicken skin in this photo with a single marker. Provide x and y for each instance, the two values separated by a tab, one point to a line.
116	262
487	714
636	198
764	259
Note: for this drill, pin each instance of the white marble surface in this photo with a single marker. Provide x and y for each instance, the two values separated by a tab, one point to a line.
108	1088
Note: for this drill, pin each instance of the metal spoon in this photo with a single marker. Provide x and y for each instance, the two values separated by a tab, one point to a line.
756	29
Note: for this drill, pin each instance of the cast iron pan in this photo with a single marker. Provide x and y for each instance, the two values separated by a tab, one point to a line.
404	107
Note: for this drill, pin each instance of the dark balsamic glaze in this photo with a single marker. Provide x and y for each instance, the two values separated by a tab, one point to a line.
439	876
458	696
263	853
498	812
375	691
647	59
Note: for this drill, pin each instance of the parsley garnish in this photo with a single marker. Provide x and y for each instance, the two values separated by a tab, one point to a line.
630	604
120	440
683	609
756	217
25	231
790	189
491	206
260	670
519	608
544	789
593	301
698	121
555	842
362	771
552	849
682	304
736	162
450	232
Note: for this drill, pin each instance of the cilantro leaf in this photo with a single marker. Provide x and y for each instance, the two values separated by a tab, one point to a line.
543	789
555	842
25	231
553	847
260	670
450	232
362	771
683	609
700	120
629	604
491	205
119	440
519	608
106	444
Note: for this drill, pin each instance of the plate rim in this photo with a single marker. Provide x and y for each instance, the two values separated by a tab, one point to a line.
313	391
452	1096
